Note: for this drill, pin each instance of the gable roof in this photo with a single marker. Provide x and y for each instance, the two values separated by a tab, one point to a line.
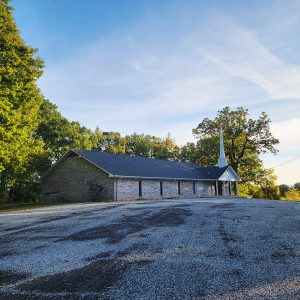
118	165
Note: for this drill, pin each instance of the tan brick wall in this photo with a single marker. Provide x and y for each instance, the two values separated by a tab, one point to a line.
151	189
170	189
186	189
205	188
127	189
70	180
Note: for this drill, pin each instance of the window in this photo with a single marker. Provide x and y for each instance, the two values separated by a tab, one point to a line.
140	189
178	187
194	188
161	188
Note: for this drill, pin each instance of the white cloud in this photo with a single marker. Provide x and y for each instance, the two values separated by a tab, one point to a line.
288	133
240	54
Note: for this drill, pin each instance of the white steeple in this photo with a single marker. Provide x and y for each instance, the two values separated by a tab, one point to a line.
222	161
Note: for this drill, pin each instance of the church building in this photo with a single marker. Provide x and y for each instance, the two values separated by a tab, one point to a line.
85	176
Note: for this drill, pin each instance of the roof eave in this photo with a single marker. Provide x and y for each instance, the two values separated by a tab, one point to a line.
239	179
162	178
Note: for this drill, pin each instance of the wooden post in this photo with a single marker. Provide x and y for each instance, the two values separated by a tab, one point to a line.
230	189
217	188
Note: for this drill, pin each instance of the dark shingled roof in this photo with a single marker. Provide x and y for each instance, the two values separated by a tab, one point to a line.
135	166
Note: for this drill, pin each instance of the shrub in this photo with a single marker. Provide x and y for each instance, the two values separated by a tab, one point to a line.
292	195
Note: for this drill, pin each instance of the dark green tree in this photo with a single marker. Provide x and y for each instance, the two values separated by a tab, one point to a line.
189	152
283	189
20	100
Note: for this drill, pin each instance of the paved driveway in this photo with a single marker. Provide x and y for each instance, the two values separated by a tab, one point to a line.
171	249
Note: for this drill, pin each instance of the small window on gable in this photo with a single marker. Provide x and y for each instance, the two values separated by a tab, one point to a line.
140	189
161	188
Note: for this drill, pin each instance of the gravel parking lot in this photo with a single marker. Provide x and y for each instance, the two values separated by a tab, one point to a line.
164	249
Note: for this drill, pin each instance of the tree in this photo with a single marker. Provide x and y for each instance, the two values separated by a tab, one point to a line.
283	189
242	136
166	149
244	140
112	142
297	186
140	144
59	134
189	152
20	100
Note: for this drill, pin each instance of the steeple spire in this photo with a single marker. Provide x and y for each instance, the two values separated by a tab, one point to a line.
222	161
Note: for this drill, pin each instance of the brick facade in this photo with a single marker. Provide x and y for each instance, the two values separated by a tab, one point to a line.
72	180
128	189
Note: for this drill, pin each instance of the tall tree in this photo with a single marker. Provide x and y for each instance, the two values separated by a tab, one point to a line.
244	140
60	135
20	100
140	144
283	189
112	142
166	149
243	136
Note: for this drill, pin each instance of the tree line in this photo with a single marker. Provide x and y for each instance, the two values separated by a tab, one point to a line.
34	134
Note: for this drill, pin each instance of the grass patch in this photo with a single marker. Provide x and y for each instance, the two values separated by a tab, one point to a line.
8	207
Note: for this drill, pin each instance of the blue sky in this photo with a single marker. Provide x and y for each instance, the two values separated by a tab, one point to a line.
162	66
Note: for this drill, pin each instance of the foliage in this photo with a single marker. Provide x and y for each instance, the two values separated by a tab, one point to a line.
244	140
166	149
60	135
267	186
264	186
283	189
297	186
189	152
20	100
293	195
140	144
111	142
243	136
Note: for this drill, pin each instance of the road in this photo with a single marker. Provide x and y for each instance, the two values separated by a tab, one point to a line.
163	249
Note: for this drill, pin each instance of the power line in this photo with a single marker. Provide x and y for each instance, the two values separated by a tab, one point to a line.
287	162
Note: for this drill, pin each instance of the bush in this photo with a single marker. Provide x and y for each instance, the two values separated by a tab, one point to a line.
292	195
30	193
